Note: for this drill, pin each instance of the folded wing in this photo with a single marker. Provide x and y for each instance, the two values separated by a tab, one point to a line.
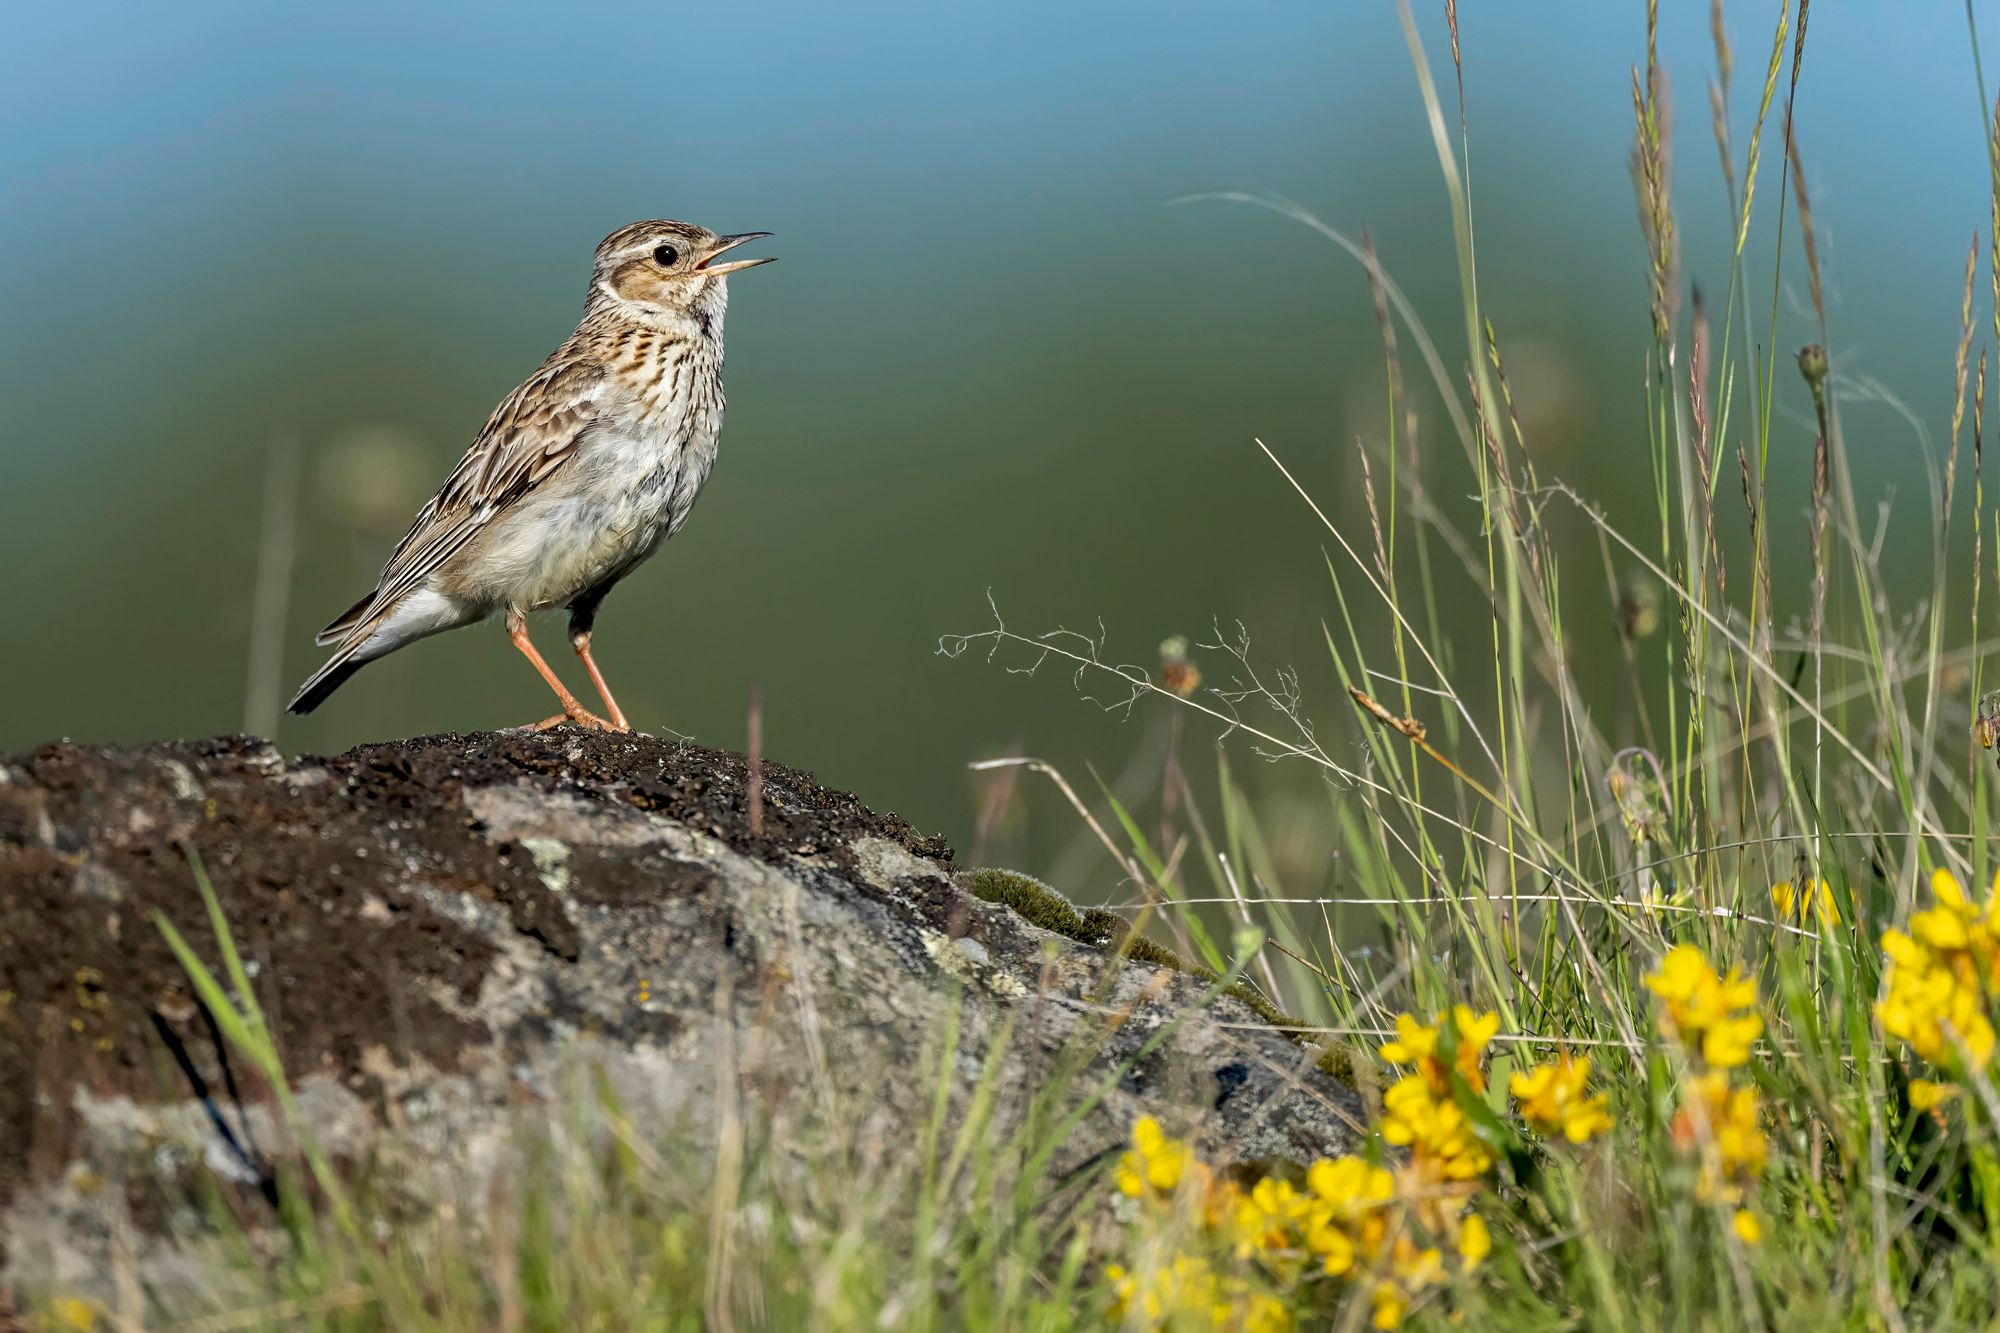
533	432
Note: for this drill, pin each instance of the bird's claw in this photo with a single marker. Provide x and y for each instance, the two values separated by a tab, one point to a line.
583	717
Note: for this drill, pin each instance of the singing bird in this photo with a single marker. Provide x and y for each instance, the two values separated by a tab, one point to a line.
579	475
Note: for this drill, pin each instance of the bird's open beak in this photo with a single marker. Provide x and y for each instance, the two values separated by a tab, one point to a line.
726	244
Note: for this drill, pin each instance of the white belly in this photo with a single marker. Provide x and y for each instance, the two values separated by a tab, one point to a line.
617	501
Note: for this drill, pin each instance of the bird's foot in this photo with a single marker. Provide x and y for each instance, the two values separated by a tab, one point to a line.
583	717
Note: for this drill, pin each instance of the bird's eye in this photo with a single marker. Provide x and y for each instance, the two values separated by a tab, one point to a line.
666	256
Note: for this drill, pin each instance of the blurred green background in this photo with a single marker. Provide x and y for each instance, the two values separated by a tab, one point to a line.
994	356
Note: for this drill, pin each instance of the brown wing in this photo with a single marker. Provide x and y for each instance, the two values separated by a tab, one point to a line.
533	432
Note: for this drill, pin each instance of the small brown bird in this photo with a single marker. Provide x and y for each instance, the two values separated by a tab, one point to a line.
579	475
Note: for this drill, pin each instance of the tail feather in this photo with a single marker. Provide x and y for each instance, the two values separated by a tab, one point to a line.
374	629
345	622
326	680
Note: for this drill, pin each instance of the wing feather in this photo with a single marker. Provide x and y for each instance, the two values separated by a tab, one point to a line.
530	436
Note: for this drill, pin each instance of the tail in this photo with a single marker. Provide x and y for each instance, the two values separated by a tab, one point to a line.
342	664
326	680
347	620
375	629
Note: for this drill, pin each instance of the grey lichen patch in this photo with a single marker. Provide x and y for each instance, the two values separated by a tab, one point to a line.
1041	905
304	778
883	864
516	982
120	1127
971	964
95	881
551	861
182	778
528	816
946	955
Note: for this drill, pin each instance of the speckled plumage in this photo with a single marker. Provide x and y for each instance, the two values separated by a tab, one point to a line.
579	474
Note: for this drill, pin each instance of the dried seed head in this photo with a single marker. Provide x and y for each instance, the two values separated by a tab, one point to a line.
1177	674
1986	727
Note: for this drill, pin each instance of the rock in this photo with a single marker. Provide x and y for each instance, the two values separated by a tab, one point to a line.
439	929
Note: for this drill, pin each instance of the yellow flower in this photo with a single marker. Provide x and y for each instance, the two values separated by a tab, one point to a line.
1187	1292
1746	1226
1475	1033
1347	1217
1156	1163
1679	974
1440	1138
1412	1268
1727	1044
1335	1248
1553	1099
1941	927
1417	1268
1701	1007
1162	1292
1475	1242
1416	1044
1928	1096
1265	1218
67	1312
1413	1044
1722	1124
1943	976
1263	1313
1390	1305
1817	899
1350	1184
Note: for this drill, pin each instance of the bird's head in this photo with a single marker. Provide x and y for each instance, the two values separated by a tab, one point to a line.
668	272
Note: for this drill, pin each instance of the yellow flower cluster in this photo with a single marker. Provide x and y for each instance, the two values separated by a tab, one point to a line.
1720	1123
1417	1044
1178	1288
1714	1018
1420	1110
1356	1225
1185	1289
1350	1223
1944	974
1435	1130
1703	1009
1156	1165
75	1316
1554	1098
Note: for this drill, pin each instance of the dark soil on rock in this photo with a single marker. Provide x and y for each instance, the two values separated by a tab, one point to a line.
94	840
